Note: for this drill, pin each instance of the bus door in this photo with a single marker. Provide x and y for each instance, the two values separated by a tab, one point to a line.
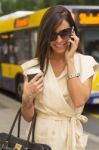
3	59
8	60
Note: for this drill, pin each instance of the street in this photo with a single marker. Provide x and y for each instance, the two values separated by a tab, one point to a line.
9	107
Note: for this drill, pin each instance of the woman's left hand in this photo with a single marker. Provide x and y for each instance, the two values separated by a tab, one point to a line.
73	43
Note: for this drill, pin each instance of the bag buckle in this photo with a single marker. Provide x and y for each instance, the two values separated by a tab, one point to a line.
17	146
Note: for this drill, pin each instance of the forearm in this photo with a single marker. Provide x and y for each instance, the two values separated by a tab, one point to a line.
30	91
76	89
27	107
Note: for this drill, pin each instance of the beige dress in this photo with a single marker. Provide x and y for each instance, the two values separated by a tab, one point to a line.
58	122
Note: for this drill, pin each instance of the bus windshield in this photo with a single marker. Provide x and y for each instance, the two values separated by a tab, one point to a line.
90	40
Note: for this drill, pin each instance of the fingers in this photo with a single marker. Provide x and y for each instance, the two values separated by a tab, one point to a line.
74	40
34	86
75	37
36	77
39	88
37	81
37	85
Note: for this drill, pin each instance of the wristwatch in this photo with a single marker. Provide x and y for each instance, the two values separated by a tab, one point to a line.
72	75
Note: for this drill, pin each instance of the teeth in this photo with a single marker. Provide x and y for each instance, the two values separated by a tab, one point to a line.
59	46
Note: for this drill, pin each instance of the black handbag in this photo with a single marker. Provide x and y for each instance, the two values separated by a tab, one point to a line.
10	142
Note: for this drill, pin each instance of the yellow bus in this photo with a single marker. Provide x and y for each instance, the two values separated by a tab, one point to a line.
18	37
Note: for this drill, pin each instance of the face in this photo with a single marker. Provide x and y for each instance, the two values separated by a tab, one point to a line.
59	38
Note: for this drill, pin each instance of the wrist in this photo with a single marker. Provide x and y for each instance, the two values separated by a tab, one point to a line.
27	100
70	62
72	75
71	67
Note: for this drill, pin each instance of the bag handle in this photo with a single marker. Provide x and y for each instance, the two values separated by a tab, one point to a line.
19	123
32	127
31	130
18	115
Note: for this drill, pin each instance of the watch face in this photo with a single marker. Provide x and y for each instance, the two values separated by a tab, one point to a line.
73	75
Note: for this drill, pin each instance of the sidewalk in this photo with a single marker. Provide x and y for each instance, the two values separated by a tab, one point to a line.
8	109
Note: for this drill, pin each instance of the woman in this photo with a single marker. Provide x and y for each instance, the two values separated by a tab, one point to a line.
63	88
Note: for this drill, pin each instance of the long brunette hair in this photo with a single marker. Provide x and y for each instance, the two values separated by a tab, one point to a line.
52	18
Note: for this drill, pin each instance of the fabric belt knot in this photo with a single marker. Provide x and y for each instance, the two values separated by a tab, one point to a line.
72	133
82	118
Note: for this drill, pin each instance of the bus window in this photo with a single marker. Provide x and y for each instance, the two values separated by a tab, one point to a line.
23	45
33	41
5	53
12	54
1	53
89	39
95	52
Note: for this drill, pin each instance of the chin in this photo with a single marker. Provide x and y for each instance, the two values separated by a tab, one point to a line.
60	51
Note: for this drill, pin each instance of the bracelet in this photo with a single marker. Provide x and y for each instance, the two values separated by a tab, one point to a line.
72	75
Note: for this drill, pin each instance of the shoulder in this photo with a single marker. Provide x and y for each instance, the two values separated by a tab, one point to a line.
82	56
86	65
82	59
31	63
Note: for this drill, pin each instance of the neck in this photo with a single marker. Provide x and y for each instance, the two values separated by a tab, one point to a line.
56	56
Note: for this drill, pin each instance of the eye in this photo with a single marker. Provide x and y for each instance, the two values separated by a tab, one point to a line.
66	32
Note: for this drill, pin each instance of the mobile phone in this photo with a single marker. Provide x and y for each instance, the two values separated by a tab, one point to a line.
72	28
69	46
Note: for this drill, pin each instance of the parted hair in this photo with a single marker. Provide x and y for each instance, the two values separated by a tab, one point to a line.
52	18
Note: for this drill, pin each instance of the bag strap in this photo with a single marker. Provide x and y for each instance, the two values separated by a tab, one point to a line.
19	124
31	130
13	125
32	127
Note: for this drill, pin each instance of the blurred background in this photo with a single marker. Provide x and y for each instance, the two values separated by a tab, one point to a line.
19	24
8	6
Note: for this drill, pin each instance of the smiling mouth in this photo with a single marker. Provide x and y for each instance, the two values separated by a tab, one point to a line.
60	45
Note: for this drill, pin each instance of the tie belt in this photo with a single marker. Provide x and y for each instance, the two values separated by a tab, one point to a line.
72	132
79	117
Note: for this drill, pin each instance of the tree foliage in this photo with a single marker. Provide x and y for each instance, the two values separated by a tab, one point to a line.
9	6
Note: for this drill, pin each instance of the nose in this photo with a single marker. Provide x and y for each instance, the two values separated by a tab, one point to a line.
58	39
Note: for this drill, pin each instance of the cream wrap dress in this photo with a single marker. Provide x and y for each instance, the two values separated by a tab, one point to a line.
58	121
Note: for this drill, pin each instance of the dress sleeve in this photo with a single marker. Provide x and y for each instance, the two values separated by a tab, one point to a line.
88	68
